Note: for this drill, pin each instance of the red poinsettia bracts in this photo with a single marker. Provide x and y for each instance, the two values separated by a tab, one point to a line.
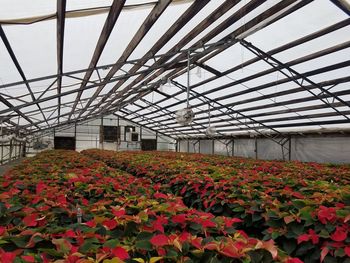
306	204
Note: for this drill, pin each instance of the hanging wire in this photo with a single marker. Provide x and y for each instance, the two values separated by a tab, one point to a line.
209	113
188	78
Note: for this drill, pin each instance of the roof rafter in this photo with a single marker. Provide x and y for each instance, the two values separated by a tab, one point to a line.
61	16
294	76
267	17
221	10
112	18
263	86
150	20
20	71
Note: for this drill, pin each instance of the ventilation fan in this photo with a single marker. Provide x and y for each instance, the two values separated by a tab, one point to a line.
211	130
40	144
184	116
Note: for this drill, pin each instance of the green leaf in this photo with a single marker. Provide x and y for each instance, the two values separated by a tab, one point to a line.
275	235
215	260
111	243
299	203
144	244
195	226
272	214
20	241
15	208
171	253
239	209
324	234
342	213
260	256
289	246
2	209
51	252
306	213
144	236
256	217
90	245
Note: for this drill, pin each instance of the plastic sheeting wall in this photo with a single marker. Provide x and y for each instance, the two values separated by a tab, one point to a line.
310	148
321	149
206	146
269	150
244	148
223	147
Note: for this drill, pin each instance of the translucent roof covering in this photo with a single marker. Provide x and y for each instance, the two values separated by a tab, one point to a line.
265	67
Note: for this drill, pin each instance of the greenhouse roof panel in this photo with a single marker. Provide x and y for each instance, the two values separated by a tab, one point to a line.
254	65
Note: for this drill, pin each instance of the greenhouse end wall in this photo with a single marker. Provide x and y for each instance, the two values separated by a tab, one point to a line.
306	148
88	135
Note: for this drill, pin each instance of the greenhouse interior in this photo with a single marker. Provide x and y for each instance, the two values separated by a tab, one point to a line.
175	131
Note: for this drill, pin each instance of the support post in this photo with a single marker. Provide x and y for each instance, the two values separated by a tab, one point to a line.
156	140
101	134
213	146
24	149
10	153
75	134
2	154
290	148
233	147
256	147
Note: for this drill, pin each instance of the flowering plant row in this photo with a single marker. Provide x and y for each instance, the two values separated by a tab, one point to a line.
62	206
303	207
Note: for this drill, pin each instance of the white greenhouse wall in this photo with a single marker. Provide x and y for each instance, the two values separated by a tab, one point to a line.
269	150
206	146
321	149
88	136
244	148
306	148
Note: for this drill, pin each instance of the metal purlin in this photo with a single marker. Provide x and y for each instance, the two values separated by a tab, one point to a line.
294	76
283	139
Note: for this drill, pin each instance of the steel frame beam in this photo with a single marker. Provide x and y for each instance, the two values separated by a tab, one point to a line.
150	20
112	18
221	27
277	126
61	17
269	71
343	5
292	44
186	39
280	119
20	71
260	87
276	12
122	100
184	18
114	79
253	121
282	93
294	75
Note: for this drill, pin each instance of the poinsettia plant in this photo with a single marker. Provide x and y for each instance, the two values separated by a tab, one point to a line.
62	206
303	207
